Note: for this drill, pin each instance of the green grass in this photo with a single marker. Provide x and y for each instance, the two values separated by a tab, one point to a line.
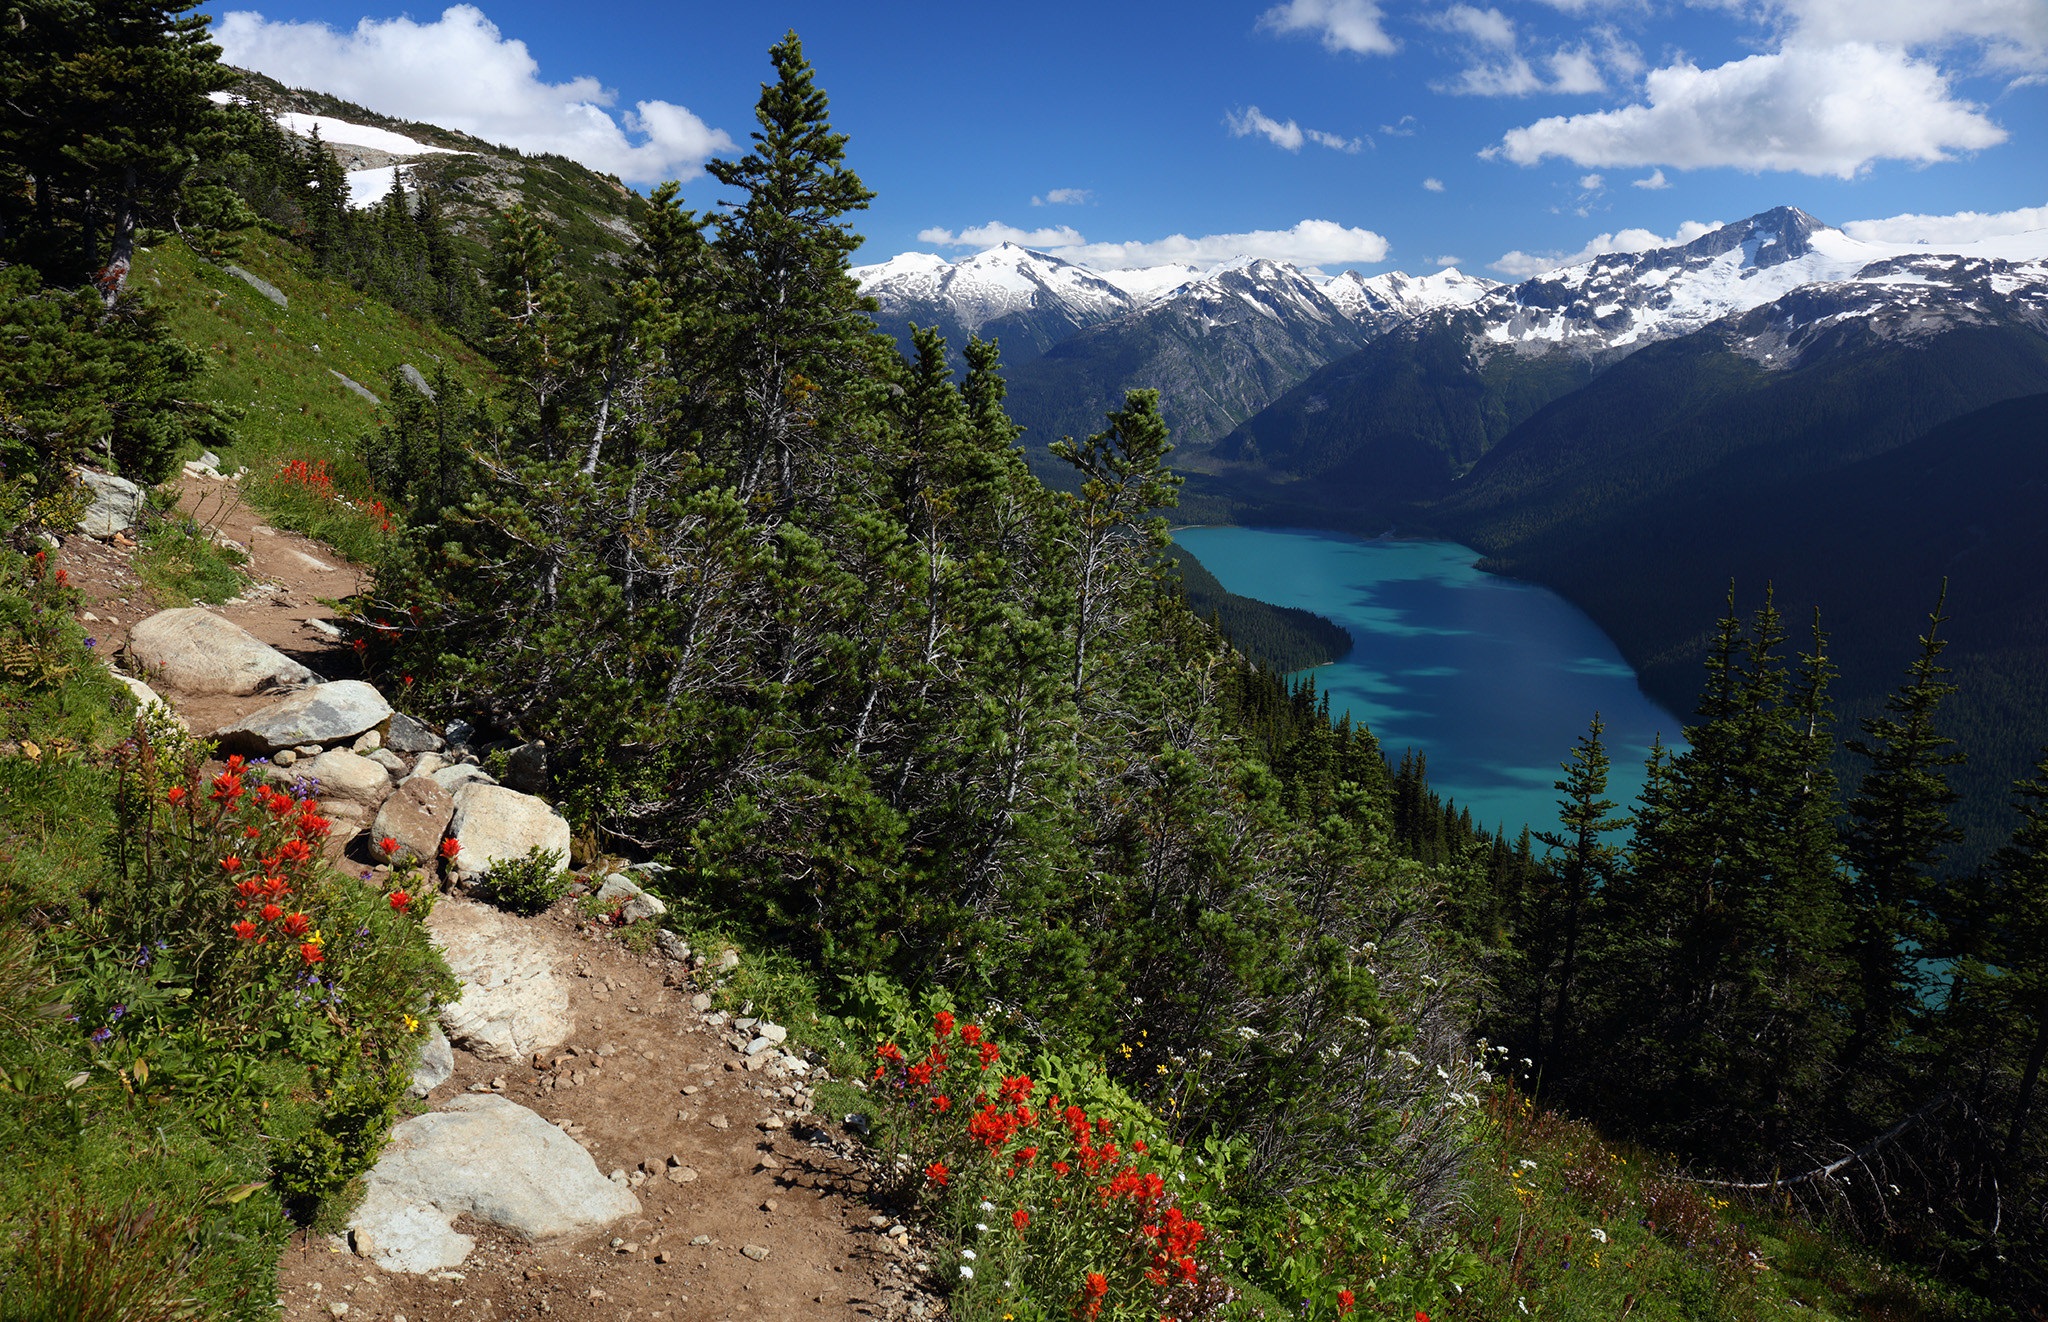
180	564
276	365
1543	1185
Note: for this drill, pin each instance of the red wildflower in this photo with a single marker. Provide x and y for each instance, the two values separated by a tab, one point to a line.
1093	1291
310	952
937	1173
389	844
245	929
251	832
235	764
271	913
1020	1218
296	925
399	899
312	826
989	1053
1061	1167
231	864
227	787
450	847
1016	1088
970	1033
921	1075
275	887
942	1022
294	851
942	1103
175	794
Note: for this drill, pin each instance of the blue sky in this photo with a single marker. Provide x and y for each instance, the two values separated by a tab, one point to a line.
1373	134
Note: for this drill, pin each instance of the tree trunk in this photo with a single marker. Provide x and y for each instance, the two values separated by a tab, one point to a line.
115	277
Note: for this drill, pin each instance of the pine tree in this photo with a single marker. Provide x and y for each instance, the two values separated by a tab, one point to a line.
1898	829
1581	864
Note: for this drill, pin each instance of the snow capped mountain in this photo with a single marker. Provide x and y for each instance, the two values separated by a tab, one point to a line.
1622	301
1003	281
1386	300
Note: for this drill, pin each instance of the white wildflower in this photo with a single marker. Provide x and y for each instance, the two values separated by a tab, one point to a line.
1597	1233
967	1274
981	1226
967	1254
987	1206
1248	1033
1526	1164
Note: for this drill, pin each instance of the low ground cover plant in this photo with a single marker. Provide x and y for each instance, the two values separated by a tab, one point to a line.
203	1028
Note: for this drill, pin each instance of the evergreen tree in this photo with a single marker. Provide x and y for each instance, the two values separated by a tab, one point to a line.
1581	863
1898	829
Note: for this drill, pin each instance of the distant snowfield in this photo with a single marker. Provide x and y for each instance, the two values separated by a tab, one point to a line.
359	135
366	187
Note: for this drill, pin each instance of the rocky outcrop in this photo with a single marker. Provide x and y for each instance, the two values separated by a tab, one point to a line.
325	714
487	1159
513	1003
197	652
413	819
349	778
116	503
497	825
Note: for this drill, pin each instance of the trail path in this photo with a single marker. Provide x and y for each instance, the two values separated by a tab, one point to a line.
750	1205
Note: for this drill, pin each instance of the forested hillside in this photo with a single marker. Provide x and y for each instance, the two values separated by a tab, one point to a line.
1109	921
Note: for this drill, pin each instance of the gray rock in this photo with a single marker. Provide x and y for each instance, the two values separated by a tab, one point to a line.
460	732
634	903
774	1033
369	741
195	651
462	773
526	768
145	696
498	825
673	946
488	1159
407	735
347	777
259	284
426	764
513	1003
416	379
323	714
356	388
416	817
388	760
116	503
285	757
437	1063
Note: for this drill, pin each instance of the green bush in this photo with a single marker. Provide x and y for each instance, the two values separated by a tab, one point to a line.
527	885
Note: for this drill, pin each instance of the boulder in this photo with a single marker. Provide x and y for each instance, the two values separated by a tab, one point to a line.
498	825
526	768
323	714
426	764
488	1159
417	380
634	903
116	503
462	773
347	777
513	1003
407	735
388	760
416	817
437	1063
195	651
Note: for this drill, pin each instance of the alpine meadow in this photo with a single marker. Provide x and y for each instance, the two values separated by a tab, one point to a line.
576	746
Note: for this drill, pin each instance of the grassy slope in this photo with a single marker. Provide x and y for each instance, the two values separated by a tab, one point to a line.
264	357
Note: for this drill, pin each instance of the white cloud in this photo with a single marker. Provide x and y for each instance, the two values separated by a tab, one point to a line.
1433	184
1065	197
1654	181
1343	25
1244	123
1404	128
1335	141
1962	227
1498	66
1447	260
1818	111
1286	134
461	72
995	232
1592	182
1306	243
1522	265
2013	33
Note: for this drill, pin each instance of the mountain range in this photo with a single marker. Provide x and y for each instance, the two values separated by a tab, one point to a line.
1774	403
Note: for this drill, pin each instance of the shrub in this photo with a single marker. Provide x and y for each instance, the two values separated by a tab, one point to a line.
131	1263
527	885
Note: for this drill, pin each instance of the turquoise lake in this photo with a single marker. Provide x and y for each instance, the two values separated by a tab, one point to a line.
1493	679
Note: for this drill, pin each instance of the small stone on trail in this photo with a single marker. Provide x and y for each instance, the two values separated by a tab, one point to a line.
756	1252
700	1240
701	1003
719	1122
682	1175
664	1256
